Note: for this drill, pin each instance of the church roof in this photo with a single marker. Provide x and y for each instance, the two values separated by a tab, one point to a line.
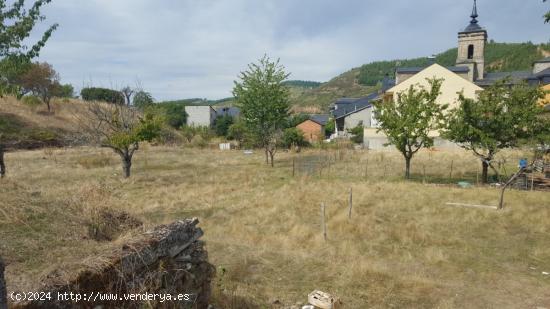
454	69
473	26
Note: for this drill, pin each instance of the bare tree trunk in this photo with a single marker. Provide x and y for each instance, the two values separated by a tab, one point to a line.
407	167
266	155
126	164
271	155
2	164
484	172
47	101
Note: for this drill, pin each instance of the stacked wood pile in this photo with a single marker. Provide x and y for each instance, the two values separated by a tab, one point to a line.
167	260
535	178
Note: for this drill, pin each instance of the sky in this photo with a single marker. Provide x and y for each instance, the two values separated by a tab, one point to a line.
178	49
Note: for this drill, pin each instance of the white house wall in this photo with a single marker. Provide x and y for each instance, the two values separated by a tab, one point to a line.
200	116
352	120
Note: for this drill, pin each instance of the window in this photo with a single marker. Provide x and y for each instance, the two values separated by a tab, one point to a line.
470	51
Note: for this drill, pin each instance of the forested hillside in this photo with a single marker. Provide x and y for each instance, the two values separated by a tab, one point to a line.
499	57
311	96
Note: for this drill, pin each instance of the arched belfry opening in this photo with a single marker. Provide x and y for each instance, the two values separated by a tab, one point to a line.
471	51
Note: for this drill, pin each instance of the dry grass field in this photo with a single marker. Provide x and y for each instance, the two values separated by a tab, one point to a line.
402	248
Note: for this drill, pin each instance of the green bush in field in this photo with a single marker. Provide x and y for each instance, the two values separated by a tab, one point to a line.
102	94
222	124
31	101
357	133
293	137
191	134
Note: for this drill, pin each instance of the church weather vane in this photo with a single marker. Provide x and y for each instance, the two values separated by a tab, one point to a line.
474	15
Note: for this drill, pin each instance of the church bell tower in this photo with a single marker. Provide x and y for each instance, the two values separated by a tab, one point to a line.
471	47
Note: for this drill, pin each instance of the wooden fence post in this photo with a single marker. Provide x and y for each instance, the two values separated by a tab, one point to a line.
350	202
451	172
423	173
323	223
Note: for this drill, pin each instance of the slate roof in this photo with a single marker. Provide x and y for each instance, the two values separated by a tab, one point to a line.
230	111
455	69
543	73
387	83
320	119
345	107
516	77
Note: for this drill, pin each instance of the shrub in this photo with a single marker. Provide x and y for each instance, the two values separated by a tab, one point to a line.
357	133
32	101
191	134
102	94
222	124
293	137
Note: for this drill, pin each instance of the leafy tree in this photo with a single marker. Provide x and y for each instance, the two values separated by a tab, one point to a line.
65	91
264	102
357	133
174	114
102	94
293	137
16	25
500	118
121	128
143	99
42	81
408	120
222	124
237	132
330	127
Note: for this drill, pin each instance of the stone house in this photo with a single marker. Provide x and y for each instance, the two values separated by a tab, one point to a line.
314	128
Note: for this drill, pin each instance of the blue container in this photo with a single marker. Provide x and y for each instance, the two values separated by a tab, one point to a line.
523	163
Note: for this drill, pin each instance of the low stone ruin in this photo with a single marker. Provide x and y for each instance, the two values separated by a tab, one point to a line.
167	260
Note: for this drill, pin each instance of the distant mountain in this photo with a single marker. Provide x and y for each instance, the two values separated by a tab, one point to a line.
361	81
314	97
199	101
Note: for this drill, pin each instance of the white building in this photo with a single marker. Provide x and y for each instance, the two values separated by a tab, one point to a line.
200	115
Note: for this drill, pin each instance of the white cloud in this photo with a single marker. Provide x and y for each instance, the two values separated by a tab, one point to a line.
196	48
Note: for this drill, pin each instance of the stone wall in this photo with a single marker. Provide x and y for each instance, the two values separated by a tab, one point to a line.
167	260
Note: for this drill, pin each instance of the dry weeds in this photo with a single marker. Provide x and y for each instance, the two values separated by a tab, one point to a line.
402	248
